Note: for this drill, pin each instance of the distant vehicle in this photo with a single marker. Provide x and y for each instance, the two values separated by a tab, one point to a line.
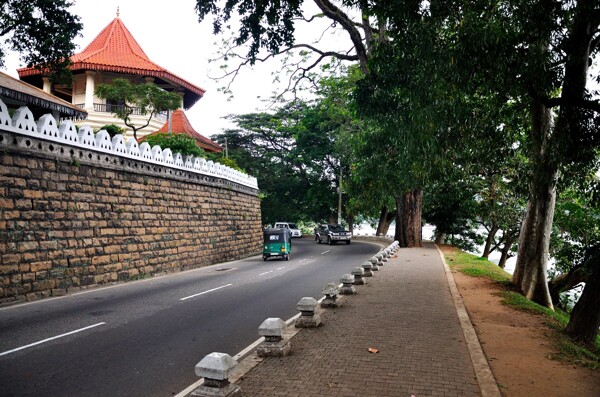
277	243
332	234
293	229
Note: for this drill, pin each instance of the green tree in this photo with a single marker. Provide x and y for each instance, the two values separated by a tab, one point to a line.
298	153
41	31
178	143
291	162
537	54
147	98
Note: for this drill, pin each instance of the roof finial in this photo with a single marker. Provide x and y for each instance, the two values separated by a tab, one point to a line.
117	11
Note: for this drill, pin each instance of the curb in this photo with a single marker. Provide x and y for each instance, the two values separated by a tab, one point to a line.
485	377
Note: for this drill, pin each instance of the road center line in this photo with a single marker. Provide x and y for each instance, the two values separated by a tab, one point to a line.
52	338
204	292
323	253
262	274
279	268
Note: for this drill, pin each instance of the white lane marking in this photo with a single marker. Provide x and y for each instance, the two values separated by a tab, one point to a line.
205	292
279	268
323	253
52	338
262	274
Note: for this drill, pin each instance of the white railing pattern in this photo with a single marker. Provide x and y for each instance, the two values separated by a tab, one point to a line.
67	133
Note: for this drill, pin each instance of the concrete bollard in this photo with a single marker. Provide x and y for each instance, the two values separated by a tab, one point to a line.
331	300
358	273
274	345
367	268
308	318
215	368
347	281
374	264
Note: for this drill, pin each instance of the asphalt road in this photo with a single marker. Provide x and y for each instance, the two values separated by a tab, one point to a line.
144	338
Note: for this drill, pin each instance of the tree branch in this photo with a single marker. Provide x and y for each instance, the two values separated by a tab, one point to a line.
334	13
246	61
580	103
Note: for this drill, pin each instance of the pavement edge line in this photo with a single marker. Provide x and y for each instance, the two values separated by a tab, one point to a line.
485	378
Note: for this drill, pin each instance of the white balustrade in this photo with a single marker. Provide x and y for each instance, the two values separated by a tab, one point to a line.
67	133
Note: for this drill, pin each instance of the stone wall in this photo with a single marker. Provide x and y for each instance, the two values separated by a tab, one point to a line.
73	217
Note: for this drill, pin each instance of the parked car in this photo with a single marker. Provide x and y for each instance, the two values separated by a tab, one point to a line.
332	234
293	229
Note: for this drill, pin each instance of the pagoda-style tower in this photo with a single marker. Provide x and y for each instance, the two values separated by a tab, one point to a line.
114	53
181	125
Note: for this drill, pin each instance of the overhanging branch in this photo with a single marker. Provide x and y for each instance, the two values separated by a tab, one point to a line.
580	103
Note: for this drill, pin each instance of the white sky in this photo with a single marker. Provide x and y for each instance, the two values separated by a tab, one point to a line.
172	37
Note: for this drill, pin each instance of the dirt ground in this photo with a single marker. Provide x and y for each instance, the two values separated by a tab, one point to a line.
518	346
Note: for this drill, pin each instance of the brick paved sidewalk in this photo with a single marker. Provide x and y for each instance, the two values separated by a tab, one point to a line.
407	312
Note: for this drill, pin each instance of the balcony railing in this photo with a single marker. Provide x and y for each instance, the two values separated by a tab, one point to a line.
109	108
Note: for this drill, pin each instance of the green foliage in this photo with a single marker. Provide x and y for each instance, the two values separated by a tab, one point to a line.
178	143
227	161
576	230
264	23
292	154
42	32
147	98
113	129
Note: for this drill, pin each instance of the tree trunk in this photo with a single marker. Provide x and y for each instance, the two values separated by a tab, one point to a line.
383	225
566	282
399	232
488	241
534	239
408	218
505	252
440	238
585	317
350	221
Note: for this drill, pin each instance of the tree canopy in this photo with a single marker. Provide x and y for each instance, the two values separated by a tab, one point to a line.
41	31
492	98
145	99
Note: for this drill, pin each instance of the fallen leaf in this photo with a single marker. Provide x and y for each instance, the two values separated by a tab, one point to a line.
373	350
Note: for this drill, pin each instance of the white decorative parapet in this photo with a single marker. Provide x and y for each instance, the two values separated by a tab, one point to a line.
47	128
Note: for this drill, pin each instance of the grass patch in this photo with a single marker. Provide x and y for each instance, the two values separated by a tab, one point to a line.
476	266
571	353
567	351
519	302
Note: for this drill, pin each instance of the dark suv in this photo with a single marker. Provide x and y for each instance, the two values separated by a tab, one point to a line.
332	234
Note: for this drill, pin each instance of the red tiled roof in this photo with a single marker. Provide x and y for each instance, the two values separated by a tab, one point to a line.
181	124
115	50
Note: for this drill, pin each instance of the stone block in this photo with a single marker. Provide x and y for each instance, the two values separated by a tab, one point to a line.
374	264
274	349
331	300
308	317
347	281
217	366
358	273
272	329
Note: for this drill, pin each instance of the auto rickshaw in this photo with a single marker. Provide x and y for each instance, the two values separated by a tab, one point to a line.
277	242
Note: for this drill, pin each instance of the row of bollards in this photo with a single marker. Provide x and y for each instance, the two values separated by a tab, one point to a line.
216	368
